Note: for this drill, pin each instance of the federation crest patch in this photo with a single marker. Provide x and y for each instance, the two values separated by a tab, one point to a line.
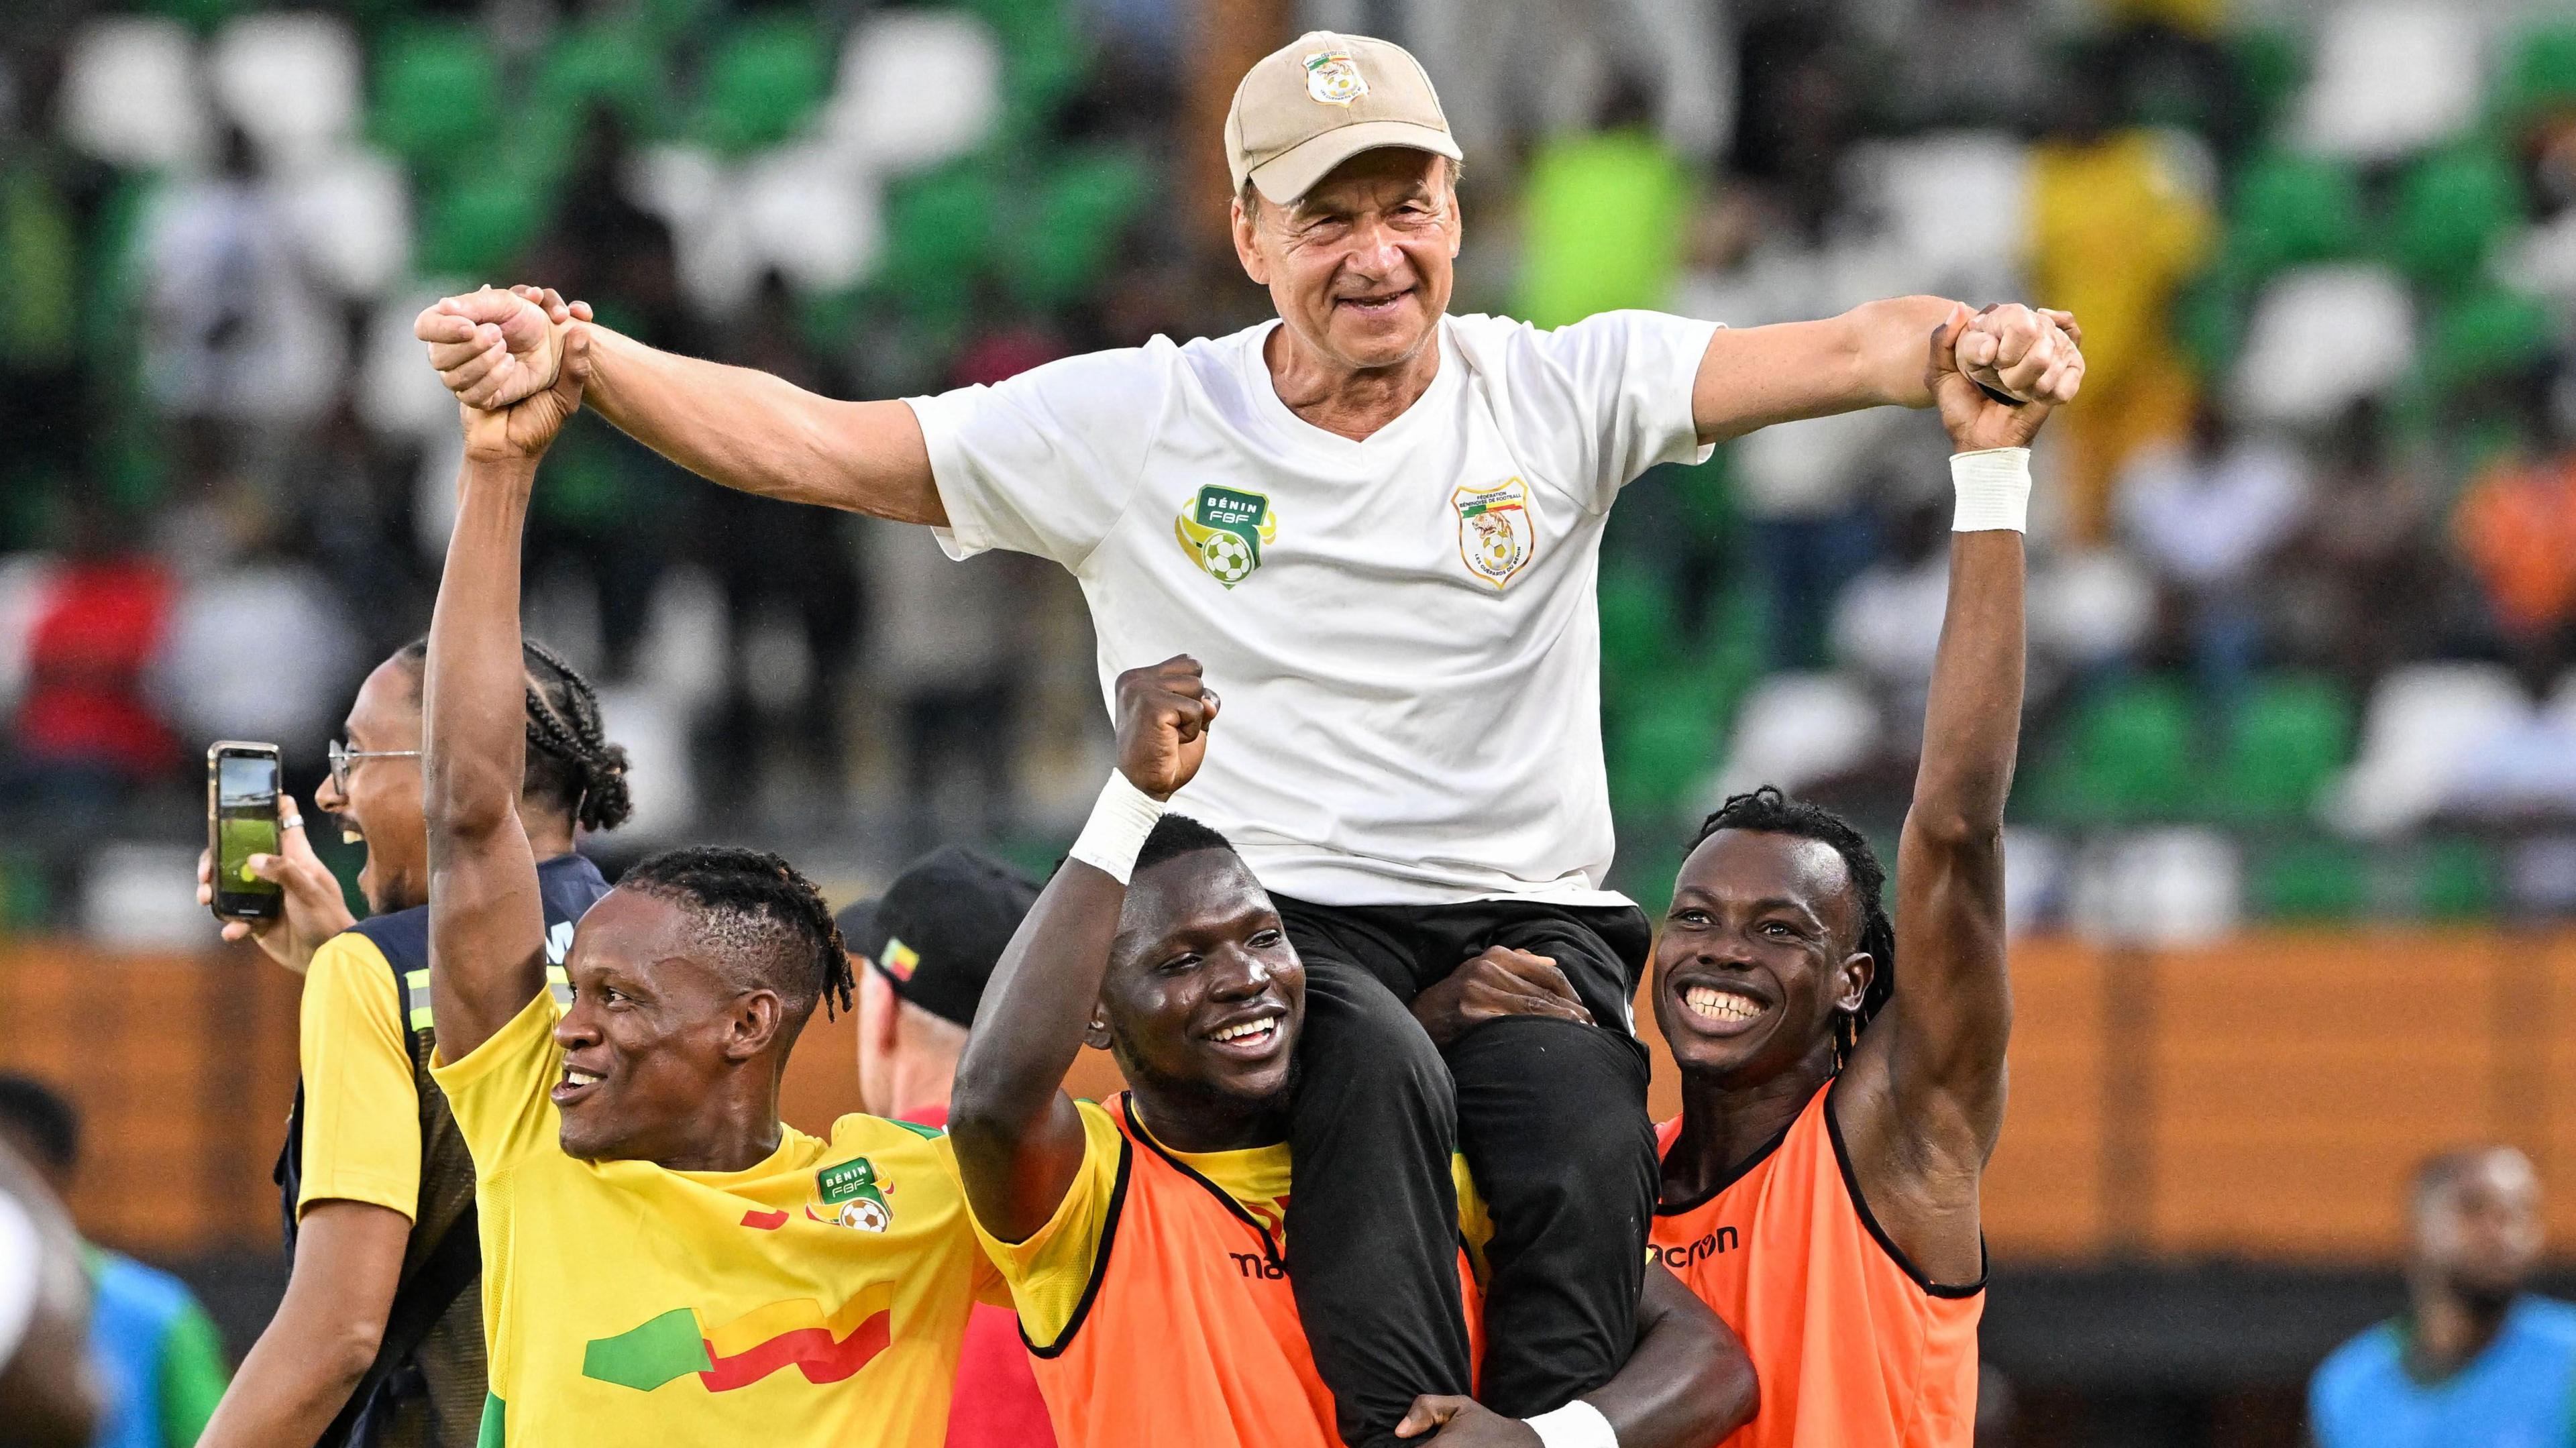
1496	535
1333	78
1224	530
851	1197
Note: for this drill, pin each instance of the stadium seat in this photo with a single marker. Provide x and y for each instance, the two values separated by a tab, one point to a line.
1956	205
289	80
131	94
2322	338
810	219
2539	73
2127	756
1659	755
614	65
2285	743
1796	728
438	95
2391	78
1044	58
2489	335
2419	719
2456	880
2307	879
352	212
761	83
916	88
200	15
1640	628
2159	887
2271	63
2450	212
2291	210
476	224
1080	212
940	235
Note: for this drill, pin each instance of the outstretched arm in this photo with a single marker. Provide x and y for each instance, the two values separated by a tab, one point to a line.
1870	356
1923	1097
486	919
1688	1384
1018	1138
741	428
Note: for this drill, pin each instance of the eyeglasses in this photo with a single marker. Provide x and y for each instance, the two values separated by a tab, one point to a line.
342	756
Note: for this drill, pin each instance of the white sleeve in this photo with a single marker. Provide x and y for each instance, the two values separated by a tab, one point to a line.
1045	462
22	1253
1617	389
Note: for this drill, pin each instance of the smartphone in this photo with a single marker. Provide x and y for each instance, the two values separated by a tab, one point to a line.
241	821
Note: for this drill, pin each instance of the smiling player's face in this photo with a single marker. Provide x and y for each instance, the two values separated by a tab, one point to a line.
1204	995
1360	267
1756	958
652	1033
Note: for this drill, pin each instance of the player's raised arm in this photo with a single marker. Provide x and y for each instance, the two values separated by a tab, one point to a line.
732	425
486	919
1872	356
1018	1138
1926	1083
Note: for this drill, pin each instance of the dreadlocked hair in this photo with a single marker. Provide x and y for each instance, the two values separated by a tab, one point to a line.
762	914
1768	811
570	761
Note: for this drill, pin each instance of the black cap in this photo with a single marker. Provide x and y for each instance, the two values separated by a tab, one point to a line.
939	929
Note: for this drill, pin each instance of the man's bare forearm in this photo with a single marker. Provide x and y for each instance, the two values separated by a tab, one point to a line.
1870	356
762	434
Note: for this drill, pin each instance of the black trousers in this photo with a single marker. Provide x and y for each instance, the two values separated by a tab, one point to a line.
1551	1117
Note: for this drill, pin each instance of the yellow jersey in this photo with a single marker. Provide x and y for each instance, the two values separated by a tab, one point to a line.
817	1298
361	1110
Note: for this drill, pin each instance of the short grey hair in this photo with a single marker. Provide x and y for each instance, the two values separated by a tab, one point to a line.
1249	197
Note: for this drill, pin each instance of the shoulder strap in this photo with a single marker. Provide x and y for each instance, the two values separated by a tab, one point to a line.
448	1270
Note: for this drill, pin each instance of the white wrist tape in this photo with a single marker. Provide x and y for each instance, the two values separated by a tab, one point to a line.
1994	490
1576	1425
1119	823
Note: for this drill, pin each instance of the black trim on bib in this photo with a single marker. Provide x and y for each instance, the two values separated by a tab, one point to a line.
1734	1174
1860	1204
1099	1261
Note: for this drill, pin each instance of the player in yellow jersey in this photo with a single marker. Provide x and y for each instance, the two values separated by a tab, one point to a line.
664	1260
1145	1240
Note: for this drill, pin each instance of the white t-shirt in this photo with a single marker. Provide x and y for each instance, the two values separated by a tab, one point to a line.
1402	629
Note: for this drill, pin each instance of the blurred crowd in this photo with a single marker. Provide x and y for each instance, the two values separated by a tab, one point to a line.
2304	614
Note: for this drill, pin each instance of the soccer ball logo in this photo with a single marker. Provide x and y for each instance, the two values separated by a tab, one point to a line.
866	1214
1227	558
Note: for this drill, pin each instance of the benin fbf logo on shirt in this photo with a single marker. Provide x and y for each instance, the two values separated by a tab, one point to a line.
1223	532
1495	534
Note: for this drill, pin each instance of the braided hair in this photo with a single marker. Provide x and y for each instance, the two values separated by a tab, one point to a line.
1768	811
758	910
571	764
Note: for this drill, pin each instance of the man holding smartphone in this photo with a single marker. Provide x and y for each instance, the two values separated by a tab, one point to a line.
379	1339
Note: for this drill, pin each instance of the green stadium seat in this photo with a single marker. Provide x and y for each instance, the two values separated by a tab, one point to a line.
615	65
2288	738
438	95
2540	72
1660	756
2307	879
1641	632
2485	336
2292	210
200	15
1044	59
2127	756
476	225
2208	325
2456	880
762	82
2450	211
2272	65
940	236
1079	214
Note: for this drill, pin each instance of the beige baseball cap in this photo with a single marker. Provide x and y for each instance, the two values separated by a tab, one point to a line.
1311	105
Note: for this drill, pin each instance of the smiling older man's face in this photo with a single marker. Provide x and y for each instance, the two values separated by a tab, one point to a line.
1360	267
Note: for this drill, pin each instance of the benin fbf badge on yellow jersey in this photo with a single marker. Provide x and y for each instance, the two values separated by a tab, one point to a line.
1333	78
1223	530
1496	534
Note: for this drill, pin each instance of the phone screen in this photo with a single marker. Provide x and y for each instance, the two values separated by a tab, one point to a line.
245	820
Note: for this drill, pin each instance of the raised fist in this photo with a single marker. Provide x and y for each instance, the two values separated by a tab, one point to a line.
2028	354
1164	712
493	348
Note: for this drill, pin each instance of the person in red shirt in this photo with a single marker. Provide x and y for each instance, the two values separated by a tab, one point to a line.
1819	1189
924	950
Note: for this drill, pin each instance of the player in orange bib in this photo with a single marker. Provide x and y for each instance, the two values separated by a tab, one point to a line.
1819	1188
1144	1240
